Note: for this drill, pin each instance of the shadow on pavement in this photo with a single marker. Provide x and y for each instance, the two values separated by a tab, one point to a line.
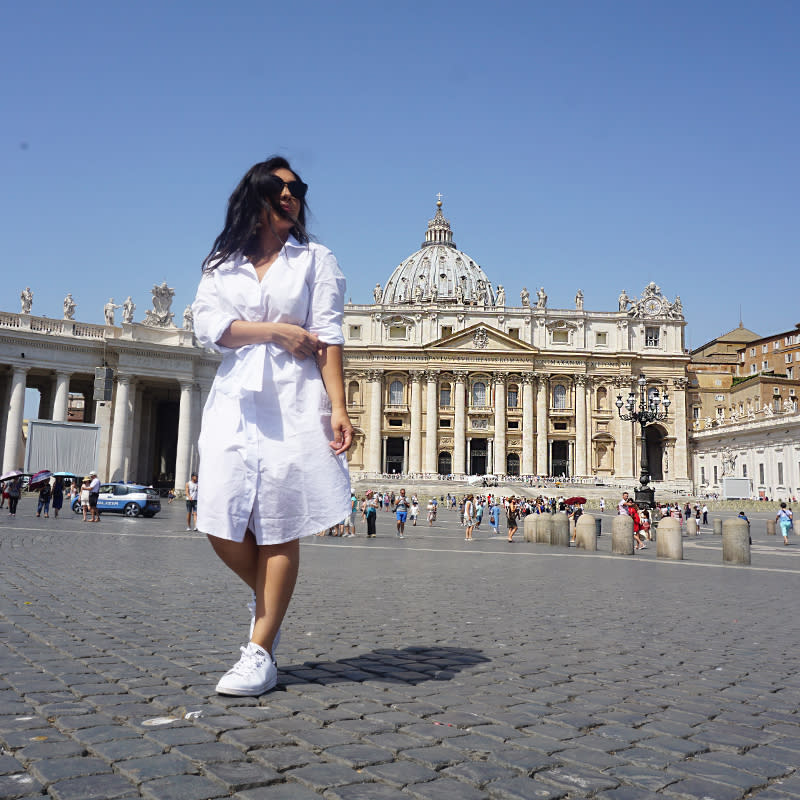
411	665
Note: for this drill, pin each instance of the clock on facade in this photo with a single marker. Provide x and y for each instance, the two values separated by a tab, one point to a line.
652	306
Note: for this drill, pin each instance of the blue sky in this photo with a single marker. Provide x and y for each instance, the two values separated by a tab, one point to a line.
596	145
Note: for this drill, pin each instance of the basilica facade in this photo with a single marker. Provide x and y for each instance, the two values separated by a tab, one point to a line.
445	375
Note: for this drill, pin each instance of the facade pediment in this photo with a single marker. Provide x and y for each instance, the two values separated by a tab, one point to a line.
481	338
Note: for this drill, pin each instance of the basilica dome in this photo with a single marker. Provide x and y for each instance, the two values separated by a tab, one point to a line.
438	272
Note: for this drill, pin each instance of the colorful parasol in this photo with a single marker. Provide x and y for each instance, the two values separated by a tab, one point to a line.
575	501
41	476
7	476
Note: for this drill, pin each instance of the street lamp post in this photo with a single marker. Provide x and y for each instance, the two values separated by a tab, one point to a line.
652	408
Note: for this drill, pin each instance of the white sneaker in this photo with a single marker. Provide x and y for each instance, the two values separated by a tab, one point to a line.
252	606
252	675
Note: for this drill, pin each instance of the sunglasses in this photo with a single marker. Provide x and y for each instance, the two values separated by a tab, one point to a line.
296	188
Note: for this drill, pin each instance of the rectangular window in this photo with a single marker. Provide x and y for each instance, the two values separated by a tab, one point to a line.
395	423
753	369
444	396
398	332
513	398
355	331
790	373
788	358
696	412
651	337
447	330
761	474
780	473
744	470
513	424
765	365
715	474
776	345
445	423
764	348
752	351
513	333
703	475
601	339
559	426
560	337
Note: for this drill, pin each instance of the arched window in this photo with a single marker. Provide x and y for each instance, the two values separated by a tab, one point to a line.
396	393
512	464
602	399
353	397
478	393
445	464
444	394
559	396
513	396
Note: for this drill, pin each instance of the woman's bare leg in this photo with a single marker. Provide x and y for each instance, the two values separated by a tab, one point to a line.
278	565
241	557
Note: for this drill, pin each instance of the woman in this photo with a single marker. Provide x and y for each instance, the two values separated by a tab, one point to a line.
369	510
85	492
469	516
275	428
45	493
784	519
512	515
58	496
14	489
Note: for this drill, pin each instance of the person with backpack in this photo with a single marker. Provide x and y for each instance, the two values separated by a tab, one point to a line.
784	519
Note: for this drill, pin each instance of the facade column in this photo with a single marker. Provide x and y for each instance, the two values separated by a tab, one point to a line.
571	466
11	448
499	467
490	451
134	434
184	454
405	470
382	466
680	462
146	438
469	454
119	430
626	457
549	459
414	460
580	426
460	423
527	423
432	422
61	403
542	449
374	438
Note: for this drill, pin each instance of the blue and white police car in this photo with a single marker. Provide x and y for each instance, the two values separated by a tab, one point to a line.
130	499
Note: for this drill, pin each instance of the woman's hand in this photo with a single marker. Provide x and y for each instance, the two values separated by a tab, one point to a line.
342	431
296	340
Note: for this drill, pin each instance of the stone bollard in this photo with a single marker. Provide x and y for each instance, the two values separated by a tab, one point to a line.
735	541
691	527
669	543
622	535
770	527
717	527
586	533
529	528
559	531
598	522
544	524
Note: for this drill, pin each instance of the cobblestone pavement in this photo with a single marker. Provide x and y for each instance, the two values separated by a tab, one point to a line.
426	667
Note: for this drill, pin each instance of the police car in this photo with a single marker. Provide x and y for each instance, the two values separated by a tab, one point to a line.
129	499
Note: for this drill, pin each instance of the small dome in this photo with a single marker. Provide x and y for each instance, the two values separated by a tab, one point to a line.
438	272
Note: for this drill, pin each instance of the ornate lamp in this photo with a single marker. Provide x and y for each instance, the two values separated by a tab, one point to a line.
652	408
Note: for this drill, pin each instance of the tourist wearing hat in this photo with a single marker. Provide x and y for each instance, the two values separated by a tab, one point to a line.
94	493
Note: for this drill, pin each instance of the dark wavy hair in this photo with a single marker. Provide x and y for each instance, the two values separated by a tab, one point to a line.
245	205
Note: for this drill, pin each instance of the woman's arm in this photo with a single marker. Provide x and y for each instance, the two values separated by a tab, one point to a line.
329	359
296	340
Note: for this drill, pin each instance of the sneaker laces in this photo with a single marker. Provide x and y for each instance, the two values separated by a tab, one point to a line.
249	663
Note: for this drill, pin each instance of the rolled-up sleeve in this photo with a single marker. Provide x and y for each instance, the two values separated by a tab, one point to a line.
327	286
211	317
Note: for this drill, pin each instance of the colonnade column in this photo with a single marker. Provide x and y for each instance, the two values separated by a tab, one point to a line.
527	423
499	467
405	468
119	429
414	461
431	422
61	403
542	462
680	466
11	448
184	454
375	378
490	451
580	426
469	454
460	423
384	441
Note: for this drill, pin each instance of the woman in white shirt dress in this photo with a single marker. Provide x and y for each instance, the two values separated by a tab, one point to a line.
275	428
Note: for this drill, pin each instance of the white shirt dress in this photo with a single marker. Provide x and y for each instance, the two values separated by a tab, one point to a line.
265	457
